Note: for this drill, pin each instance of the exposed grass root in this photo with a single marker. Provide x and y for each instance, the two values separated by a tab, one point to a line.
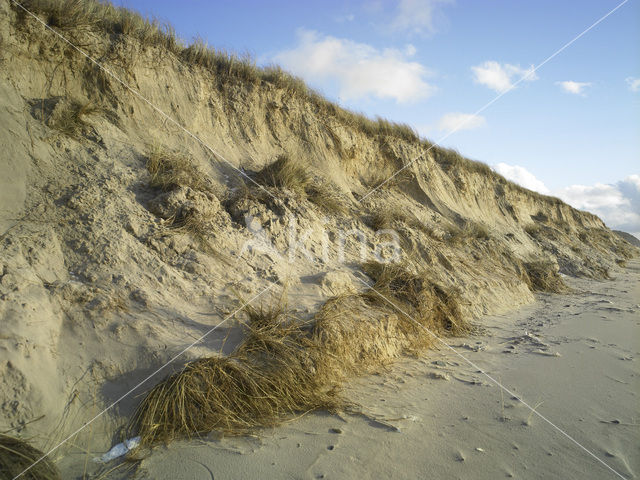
17	455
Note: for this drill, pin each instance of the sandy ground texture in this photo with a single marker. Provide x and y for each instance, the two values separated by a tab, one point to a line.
571	357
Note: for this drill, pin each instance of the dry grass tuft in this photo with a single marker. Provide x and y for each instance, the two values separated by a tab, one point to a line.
68	14
68	117
88	16
381	219
16	455
477	230
189	203
286	174
533	230
426	302
327	197
401	314
472	230
450	159
542	276
172	169
381	179
281	367
270	375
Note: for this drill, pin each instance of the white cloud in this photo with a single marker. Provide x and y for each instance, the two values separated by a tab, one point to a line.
634	84
417	16
358	69
456	121
617	204
521	176
502	77
577	88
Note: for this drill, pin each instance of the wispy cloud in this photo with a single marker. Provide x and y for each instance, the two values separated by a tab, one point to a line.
576	88
456	121
357	69
521	176
501	77
417	16
634	83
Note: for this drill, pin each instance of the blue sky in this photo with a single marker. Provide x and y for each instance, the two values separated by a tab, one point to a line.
571	129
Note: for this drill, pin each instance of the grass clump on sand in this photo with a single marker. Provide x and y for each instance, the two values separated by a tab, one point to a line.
187	201
286	174
430	304
477	230
402	313
381	219
326	196
471	230
172	169
542	276
283	366
270	375
384	217
383	179
533	230
68	117
17	455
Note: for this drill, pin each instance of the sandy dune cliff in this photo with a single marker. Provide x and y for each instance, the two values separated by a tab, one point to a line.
105	275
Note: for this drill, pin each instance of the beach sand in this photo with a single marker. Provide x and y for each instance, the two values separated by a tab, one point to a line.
571	357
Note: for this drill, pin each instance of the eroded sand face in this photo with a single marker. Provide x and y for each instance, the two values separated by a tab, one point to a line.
573	356
98	288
